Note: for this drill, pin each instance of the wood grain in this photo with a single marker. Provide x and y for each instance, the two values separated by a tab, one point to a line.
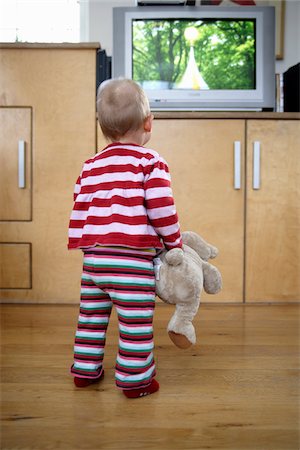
273	213
15	266
236	389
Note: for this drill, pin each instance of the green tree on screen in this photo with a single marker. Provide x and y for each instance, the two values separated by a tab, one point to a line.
224	52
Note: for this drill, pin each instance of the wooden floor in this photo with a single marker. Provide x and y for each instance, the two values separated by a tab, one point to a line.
237	389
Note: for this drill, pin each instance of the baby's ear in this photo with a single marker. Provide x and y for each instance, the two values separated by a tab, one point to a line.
148	123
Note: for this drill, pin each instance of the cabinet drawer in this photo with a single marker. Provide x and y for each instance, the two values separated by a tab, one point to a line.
15	265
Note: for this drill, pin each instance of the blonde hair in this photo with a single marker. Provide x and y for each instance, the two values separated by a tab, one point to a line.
122	106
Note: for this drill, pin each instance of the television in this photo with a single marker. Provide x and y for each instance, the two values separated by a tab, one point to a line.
198	58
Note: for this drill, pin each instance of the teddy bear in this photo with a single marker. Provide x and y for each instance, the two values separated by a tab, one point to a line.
181	275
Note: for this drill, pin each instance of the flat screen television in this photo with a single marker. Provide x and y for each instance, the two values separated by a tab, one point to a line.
198	58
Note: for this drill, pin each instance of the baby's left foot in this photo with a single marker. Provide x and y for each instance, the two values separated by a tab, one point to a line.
136	393
84	382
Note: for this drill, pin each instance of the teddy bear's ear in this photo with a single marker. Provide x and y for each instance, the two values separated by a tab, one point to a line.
174	257
197	243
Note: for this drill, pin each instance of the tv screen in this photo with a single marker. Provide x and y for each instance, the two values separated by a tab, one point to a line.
198	58
194	54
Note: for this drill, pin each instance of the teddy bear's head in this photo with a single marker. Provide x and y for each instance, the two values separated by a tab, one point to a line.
181	274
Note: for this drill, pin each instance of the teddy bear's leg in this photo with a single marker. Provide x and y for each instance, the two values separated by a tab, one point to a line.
180	328
212	279
179	340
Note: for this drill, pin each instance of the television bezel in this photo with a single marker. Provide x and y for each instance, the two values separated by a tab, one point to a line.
260	98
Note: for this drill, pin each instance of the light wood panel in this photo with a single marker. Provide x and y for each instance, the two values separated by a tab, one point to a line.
273	213
15	126
59	84
15	266
237	389
200	157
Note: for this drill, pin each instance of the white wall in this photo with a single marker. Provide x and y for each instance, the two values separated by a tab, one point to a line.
291	36
98	16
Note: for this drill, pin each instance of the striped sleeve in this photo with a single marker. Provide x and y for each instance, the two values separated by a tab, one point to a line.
77	188
160	204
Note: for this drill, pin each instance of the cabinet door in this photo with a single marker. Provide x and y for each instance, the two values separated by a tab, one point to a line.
273	211
15	265
59	84
15	162
200	154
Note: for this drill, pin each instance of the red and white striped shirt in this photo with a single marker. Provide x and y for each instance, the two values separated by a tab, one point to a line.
123	197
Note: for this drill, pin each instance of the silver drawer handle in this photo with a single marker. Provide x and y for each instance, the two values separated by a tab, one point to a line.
237	165
21	170
256	165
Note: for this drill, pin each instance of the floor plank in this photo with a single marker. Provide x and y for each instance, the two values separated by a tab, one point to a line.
236	389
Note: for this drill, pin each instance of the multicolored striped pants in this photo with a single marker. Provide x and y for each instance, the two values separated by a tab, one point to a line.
124	278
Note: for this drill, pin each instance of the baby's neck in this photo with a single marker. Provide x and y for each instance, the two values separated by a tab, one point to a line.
138	137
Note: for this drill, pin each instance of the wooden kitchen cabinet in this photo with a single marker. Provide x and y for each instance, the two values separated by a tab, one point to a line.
51	91
256	230
56	84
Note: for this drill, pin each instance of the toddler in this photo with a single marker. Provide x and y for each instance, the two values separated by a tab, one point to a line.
123	214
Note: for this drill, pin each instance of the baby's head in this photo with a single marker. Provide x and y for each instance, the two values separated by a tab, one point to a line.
122	108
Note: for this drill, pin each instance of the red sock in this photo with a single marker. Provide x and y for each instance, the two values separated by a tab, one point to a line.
84	382
135	393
